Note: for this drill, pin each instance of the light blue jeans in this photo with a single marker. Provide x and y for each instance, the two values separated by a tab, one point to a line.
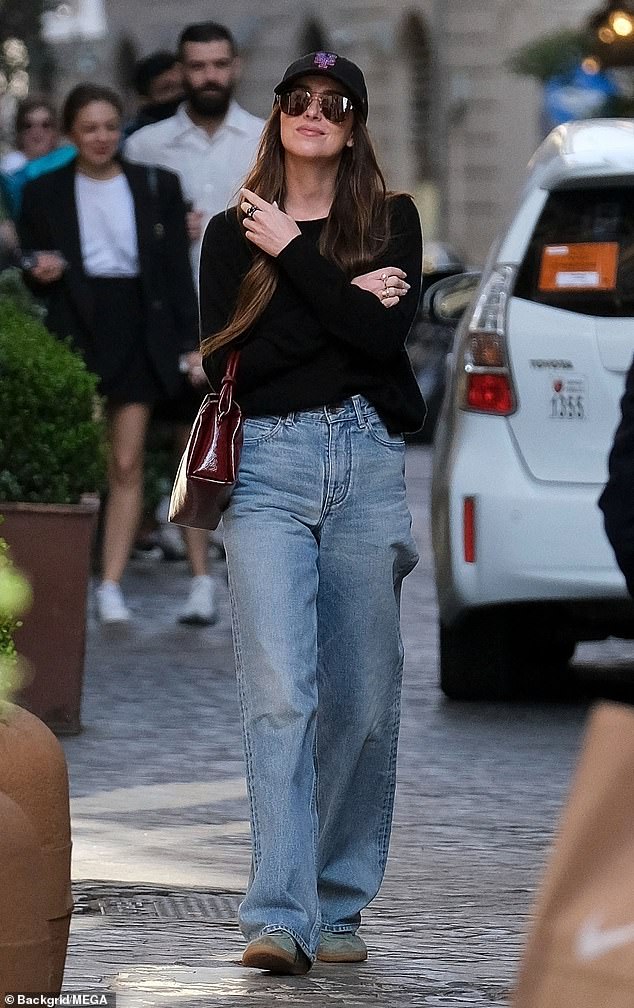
318	540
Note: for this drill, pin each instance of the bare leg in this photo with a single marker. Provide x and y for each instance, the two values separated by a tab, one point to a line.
127	427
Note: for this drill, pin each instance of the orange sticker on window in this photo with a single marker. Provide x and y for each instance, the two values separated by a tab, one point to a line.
582	266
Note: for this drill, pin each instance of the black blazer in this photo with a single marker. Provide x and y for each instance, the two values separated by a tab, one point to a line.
49	221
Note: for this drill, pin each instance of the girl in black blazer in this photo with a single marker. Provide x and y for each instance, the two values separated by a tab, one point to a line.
112	266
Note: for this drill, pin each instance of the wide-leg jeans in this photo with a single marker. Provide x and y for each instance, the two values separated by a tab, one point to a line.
318	540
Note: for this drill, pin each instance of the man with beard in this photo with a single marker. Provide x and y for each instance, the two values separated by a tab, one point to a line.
210	142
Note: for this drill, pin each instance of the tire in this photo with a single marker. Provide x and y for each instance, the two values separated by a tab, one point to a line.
504	653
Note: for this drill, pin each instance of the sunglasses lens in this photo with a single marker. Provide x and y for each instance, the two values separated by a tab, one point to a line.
294	103
334	107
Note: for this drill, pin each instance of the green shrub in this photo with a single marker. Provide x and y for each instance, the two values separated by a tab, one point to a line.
52	447
12	286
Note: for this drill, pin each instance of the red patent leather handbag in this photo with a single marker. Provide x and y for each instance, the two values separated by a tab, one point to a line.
209	466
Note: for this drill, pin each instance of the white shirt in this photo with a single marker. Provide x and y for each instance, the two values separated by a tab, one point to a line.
211	168
107	226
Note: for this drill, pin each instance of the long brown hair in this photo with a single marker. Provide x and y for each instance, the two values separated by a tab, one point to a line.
355	234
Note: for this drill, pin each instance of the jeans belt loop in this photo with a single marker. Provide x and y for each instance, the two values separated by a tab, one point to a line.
361	419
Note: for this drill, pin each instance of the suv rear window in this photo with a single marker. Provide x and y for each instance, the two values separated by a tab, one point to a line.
581	255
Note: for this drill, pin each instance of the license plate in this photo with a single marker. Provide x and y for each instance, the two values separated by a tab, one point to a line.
568	398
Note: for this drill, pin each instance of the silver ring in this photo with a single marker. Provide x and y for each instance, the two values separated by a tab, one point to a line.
384	279
250	212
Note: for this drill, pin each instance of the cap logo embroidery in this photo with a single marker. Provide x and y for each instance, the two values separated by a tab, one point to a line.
324	60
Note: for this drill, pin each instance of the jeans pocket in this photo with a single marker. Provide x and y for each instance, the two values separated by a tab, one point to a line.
380	433
256	429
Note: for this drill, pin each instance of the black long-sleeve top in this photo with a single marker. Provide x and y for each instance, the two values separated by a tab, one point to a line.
321	339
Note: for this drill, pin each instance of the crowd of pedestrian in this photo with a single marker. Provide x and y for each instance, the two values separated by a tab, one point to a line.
112	250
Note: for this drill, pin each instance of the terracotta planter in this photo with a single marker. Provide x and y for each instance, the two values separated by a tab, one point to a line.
33	774
51	544
24	934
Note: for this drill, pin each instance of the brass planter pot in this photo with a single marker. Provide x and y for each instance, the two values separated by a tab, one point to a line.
24	932
33	774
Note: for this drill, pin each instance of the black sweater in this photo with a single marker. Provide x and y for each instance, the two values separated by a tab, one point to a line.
321	339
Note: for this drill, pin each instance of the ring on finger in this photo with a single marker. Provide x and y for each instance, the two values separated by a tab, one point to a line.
251	212
384	279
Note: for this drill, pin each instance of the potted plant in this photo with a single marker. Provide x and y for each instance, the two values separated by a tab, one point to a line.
52	465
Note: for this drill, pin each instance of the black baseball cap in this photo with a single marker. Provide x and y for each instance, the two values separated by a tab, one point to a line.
338	68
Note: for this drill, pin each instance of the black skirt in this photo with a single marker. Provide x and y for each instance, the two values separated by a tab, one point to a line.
119	353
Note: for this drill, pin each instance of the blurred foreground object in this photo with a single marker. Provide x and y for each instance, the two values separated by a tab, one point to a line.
35	844
580	952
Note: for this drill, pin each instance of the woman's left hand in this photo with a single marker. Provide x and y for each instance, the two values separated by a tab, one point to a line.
267	226
388	284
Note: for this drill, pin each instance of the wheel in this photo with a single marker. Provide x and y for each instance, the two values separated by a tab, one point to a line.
504	653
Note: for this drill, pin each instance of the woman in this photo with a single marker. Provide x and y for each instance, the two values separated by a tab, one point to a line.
113	267
35	133
315	277
40	150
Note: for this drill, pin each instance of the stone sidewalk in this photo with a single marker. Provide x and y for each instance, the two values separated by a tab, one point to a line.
161	839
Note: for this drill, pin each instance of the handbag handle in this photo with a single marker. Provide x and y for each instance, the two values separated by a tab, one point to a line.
225	399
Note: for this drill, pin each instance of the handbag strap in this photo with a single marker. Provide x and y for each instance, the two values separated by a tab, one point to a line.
232	366
225	399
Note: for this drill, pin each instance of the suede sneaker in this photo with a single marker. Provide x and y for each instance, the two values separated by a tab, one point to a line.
278	953
342	947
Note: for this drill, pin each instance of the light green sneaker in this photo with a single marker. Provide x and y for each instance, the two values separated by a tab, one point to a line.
341	947
278	953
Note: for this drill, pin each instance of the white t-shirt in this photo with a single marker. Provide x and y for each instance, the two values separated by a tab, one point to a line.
107	226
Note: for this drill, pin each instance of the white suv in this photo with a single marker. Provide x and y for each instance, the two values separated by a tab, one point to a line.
537	369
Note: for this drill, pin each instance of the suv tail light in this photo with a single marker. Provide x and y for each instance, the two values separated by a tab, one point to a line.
486	385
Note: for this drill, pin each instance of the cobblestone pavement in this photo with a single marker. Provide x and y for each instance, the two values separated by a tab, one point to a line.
161	845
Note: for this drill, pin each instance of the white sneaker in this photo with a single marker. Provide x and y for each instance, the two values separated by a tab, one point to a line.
200	609
110	604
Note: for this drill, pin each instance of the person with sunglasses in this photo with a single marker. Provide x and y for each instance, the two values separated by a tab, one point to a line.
39	149
315	277
35	133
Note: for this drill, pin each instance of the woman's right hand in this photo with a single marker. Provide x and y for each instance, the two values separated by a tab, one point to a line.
387	283
48	267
